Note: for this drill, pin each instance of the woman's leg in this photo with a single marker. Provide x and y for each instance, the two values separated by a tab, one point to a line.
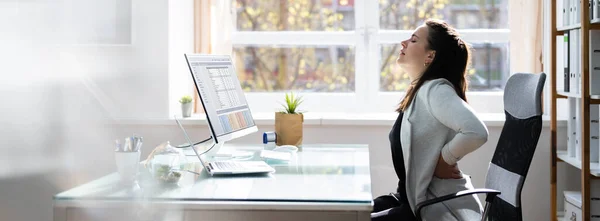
398	211
384	202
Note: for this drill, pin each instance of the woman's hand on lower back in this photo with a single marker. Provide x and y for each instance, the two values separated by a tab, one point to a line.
445	171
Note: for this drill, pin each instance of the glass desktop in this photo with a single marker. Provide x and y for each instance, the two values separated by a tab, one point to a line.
320	173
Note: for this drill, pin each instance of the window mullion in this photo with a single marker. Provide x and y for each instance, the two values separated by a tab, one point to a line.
373	39
362	58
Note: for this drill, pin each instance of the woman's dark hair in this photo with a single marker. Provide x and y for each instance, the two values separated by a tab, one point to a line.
452	57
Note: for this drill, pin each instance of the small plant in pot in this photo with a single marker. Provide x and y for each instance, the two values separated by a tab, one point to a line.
289	122
186	106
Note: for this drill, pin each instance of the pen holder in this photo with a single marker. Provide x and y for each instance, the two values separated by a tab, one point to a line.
127	165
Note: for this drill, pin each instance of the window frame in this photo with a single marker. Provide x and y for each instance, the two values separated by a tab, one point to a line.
366	40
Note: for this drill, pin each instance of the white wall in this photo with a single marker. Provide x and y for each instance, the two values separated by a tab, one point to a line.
57	102
181	41
56	96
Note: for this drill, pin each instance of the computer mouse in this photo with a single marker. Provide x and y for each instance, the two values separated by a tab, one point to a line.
286	148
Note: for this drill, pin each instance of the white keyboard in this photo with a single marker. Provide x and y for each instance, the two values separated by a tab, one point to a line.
239	166
228	166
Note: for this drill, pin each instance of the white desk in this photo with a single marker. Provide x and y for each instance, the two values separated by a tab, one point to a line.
321	182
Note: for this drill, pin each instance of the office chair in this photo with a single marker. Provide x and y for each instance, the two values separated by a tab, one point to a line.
514	152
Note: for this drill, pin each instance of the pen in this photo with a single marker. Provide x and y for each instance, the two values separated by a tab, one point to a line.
127	146
117	145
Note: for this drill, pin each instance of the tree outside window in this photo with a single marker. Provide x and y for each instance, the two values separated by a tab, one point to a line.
326	68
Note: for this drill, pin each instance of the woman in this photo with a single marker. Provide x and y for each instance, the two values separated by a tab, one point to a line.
434	130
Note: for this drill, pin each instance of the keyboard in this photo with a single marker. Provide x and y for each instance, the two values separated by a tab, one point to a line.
240	167
228	166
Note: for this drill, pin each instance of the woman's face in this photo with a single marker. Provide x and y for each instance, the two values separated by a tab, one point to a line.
415	53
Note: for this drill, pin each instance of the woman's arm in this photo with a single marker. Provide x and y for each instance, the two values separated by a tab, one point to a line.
448	108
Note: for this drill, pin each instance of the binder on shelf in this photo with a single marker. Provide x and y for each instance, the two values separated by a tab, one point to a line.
566	62
578	60
573	56
561	66
595	189
571	135
594	133
596	11
594	52
566	5
576	11
578	129
573	62
591	9
564	11
571	11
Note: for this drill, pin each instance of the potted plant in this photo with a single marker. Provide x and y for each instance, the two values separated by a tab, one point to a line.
186	106
288	123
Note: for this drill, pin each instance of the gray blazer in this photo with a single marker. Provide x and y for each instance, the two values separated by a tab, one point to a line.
438	122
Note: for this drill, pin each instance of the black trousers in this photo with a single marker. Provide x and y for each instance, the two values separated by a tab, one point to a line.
400	210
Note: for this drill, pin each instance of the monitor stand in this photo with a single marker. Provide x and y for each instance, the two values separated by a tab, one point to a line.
221	151
217	151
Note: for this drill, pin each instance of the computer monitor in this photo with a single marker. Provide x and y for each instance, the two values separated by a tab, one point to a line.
222	97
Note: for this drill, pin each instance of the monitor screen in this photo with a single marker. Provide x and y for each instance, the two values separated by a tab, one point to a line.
222	97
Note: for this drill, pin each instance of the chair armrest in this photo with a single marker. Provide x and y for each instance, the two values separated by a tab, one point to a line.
490	195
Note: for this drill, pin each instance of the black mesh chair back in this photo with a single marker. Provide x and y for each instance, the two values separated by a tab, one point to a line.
516	146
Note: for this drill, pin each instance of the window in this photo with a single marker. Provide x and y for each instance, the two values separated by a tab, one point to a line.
306	68
340	54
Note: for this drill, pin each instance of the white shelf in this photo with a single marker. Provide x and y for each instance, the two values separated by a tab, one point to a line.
594	167
569	27
569	94
574	95
578	25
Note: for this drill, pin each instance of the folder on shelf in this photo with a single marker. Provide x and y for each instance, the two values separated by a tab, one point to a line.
566	8
575	13
566	62
578	129
570	11
594	52
594	133
571	133
573	60
596	11
595	190
591	9
578	60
